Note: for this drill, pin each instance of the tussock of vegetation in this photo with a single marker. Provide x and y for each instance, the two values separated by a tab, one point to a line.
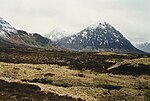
42	80
14	91
110	87
147	95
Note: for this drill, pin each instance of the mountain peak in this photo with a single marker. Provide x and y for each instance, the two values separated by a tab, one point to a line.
5	26
99	36
57	34
11	37
100	26
145	46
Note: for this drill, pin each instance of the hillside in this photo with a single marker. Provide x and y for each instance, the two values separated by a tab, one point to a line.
11	37
98	37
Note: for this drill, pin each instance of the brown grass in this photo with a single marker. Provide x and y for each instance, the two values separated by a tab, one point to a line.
85	85
99	76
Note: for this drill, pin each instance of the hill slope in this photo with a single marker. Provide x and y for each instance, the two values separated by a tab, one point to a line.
101	36
11	37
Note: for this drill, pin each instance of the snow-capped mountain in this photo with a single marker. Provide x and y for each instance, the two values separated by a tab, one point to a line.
57	34
100	36
6	27
11	37
144	46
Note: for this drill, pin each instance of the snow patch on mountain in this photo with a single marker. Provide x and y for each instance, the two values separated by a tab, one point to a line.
3	35
100	26
93	26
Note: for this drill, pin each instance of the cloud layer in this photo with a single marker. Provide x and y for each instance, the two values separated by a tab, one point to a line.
130	17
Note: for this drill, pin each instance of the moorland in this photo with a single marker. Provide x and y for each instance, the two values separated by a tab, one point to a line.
30	74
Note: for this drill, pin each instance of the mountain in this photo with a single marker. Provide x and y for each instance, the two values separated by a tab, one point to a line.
98	37
6	27
57	34
11	37
144	46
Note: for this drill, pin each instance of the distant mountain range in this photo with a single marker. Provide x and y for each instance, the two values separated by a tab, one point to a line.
57	34
11	37
98	37
144	46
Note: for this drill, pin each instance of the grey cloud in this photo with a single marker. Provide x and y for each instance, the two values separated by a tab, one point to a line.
131	17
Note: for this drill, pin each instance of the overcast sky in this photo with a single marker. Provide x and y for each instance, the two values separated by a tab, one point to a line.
130	17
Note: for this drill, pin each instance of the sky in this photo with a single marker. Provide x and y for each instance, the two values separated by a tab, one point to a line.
130	17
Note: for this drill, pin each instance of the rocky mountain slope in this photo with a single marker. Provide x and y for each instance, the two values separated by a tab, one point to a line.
11	37
101	36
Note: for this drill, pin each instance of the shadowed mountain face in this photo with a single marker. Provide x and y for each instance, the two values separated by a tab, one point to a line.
11	37
101	36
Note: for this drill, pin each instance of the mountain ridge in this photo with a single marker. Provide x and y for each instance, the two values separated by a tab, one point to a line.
57	34
11	37
98	37
144	46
